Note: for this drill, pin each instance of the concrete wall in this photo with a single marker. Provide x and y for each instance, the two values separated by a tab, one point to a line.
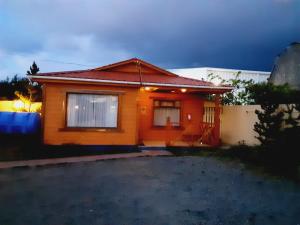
237	123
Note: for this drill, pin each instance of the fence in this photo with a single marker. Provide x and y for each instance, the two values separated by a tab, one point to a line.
237	123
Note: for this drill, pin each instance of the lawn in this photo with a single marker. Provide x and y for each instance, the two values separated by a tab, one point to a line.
179	190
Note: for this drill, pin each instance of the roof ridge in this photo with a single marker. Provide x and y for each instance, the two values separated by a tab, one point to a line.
152	66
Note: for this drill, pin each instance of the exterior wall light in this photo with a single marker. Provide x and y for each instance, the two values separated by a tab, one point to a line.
183	90
18	105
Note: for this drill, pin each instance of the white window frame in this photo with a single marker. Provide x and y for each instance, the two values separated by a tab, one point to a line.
67	124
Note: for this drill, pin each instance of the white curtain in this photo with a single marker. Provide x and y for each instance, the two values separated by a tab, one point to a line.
161	115
88	110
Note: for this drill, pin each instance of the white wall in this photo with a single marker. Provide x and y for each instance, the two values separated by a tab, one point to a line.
237	123
203	72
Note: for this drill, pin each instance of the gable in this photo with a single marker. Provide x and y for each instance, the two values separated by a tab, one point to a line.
135	66
131	68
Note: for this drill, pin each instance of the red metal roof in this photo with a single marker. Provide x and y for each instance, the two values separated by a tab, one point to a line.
138	62
94	75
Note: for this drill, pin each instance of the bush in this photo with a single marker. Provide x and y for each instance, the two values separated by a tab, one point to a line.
278	129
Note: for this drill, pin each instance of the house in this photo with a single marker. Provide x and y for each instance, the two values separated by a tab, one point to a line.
128	103
202	73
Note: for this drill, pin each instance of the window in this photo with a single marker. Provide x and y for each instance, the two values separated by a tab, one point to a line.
164	109
209	115
92	110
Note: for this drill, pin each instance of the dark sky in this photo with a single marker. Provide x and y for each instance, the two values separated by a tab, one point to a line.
73	34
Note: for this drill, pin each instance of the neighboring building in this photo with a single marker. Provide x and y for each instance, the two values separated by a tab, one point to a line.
202	73
128	103
287	67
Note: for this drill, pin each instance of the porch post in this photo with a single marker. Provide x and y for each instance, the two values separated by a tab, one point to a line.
216	139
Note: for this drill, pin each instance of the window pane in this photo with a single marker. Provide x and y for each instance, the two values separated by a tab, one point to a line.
87	110
161	115
106	109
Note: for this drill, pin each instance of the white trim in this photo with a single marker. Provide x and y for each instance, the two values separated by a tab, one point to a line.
86	80
128	82
187	86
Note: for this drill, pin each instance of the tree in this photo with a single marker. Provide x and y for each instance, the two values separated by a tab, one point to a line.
34	69
278	105
21	87
278	127
240	94
270	116
8	87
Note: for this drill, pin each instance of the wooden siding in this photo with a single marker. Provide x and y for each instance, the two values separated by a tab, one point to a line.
132	68
190	104
54	117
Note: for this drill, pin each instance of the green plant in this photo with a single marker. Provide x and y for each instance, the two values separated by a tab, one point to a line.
21	87
279	104
278	127
239	95
34	69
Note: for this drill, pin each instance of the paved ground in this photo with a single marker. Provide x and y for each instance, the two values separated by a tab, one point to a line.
156	190
90	158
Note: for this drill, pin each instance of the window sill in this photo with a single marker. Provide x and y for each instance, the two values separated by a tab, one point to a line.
86	129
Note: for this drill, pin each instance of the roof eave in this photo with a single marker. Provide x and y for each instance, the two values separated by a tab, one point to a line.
45	78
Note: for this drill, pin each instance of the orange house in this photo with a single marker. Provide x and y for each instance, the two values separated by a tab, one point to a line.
128	103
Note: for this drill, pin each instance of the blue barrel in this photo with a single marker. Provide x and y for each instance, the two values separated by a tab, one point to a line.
19	123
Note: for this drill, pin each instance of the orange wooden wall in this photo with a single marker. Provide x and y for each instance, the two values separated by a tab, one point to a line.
191	104
136	116
54	117
132	68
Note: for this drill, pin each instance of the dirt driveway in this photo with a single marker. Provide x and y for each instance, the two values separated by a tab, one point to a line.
142	191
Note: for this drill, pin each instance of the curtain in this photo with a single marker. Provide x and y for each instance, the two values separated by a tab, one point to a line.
91	110
161	115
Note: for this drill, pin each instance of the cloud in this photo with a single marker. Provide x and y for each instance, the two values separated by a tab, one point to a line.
234	34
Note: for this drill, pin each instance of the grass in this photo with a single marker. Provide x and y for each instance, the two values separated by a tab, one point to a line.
272	161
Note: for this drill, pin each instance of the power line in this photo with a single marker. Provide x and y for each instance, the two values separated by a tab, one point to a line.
50	60
69	63
53	61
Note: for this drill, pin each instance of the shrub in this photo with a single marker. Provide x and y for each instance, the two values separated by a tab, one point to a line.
278	128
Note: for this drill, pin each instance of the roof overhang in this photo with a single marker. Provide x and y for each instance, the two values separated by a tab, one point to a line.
52	78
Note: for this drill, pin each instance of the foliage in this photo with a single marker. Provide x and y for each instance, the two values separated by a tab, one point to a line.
279	124
239	95
21	87
8	87
34	69
270	117
279	104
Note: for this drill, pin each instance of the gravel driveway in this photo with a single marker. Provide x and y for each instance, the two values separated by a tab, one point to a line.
158	190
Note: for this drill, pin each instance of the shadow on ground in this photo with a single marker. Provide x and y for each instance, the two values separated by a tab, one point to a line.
26	147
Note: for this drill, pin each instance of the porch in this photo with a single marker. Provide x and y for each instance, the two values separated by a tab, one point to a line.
178	117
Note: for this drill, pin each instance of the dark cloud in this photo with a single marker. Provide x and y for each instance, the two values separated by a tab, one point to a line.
233	34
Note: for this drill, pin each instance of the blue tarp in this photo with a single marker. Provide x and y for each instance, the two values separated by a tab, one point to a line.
19	123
